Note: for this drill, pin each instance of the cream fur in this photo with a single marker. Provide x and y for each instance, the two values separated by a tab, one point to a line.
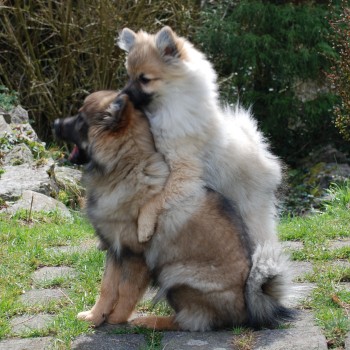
199	138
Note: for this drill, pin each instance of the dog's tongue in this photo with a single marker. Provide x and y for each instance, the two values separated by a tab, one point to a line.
74	154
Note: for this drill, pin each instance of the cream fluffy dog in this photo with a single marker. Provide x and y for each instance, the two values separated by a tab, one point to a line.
176	86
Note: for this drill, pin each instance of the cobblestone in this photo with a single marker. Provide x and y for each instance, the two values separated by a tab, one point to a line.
26	323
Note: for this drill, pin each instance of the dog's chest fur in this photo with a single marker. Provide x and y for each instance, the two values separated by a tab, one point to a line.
114	199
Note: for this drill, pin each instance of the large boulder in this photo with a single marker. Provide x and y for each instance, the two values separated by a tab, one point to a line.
19	154
16	179
36	202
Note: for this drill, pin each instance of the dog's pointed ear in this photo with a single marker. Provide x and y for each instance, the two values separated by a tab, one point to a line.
126	39
166	42
117	108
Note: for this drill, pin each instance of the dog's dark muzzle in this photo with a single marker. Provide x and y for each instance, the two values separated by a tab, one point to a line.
137	96
64	129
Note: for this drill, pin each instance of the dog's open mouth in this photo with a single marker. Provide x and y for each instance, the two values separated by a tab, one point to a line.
74	154
78	156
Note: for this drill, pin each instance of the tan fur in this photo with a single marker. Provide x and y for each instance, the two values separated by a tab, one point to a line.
164	323
198	255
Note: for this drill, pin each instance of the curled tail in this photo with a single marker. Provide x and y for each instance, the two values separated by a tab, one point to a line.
267	286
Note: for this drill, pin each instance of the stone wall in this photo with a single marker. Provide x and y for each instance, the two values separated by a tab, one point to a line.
29	178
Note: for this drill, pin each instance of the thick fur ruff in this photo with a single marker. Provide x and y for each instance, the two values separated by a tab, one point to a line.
176	86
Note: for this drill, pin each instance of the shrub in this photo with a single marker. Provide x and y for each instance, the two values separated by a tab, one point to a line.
8	99
55	52
340	71
272	55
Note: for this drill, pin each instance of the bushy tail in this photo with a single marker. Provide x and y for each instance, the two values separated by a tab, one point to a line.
267	286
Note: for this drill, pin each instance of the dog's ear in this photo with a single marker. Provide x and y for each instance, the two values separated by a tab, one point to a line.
166	42
117	112
126	39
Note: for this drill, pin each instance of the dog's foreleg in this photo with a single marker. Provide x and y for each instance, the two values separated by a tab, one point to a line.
183	181
133	282
108	295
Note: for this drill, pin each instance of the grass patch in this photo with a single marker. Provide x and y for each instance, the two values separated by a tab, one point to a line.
243	339
24	247
330	300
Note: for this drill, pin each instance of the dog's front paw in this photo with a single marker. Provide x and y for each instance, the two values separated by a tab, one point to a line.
146	225
91	317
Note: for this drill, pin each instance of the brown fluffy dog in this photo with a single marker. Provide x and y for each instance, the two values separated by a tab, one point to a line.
199	255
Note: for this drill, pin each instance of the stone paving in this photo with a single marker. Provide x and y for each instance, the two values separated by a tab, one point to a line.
302	334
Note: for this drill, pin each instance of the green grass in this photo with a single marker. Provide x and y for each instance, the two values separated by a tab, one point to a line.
330	301
26	245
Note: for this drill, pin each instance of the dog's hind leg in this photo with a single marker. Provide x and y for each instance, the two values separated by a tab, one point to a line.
108	295
166	323
134	280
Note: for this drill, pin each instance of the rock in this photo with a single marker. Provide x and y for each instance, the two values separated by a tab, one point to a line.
347	342
321	175
48	273
20	154
27	323
36	202
300	268
292	245
4	127
19	115
307	338
339	243
6	115
86	246
326	154
300	292
309	90
67	179
37	297
17	179
202	341
303	319
339	264
26	344
343	286
25	131
101	341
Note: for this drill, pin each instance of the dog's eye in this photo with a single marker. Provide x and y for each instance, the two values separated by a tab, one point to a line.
143	79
